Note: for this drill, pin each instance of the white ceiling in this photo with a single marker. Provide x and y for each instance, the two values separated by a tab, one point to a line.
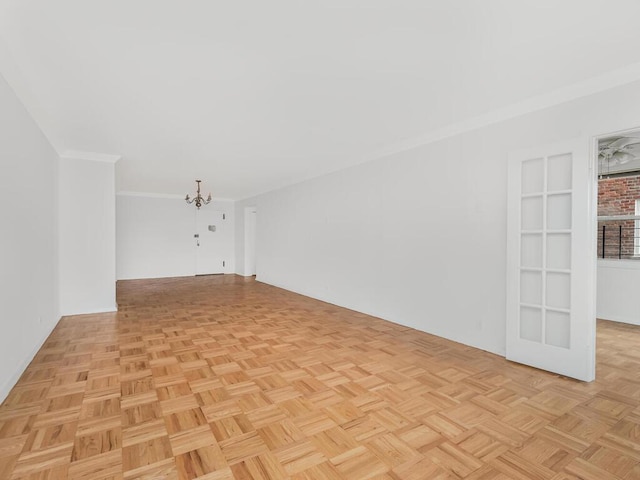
253	95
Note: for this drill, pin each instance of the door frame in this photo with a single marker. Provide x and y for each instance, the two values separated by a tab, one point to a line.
201	220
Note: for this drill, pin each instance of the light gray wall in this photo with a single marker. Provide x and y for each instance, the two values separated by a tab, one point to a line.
87	236
155	236
617	296
419	237
28	241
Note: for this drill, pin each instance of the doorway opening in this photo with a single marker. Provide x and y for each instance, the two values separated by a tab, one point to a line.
250	221
618	234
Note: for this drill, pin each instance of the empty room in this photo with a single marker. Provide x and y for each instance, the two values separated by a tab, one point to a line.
356	239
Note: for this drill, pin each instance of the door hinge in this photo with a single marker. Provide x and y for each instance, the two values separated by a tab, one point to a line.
223	263
224	216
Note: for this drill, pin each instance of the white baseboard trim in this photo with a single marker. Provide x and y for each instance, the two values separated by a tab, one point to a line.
619	319
465	340
22	366
245	274
93	310
155	277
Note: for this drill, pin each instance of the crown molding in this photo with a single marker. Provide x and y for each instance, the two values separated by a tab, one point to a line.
91	156
173	196
606	81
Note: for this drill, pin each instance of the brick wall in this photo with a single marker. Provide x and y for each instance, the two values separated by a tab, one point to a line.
617	196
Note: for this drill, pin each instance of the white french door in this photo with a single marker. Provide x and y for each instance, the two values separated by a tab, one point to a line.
551	260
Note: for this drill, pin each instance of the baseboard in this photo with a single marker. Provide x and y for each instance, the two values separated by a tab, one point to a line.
619	319
245	275
464	340
11	381
155	277
93	310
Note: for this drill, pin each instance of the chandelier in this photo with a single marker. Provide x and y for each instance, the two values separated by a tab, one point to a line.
199	200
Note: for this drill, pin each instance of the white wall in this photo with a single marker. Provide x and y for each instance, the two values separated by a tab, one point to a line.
419	237
87	236
28	223
617	297
155	236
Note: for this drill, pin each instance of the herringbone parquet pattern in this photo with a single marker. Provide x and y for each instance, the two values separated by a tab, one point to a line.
219	378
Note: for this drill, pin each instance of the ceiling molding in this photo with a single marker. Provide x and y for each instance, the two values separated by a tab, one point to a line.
91	156
594	85
400	76
591	86
173	196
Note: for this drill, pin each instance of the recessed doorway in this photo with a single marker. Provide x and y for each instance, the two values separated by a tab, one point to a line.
618	249
250	222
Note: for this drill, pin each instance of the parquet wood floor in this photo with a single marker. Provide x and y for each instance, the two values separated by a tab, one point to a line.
224	378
